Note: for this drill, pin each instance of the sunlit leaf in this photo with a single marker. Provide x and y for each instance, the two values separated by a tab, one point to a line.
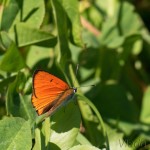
16	134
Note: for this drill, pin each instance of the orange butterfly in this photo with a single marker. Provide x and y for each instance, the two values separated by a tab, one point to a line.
49	92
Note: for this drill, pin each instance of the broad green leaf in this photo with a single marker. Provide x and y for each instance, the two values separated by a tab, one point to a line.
145	111
65	126
114	33
15	134
72	10
27	35
42	59
12	60
11	10
33	12
84	147
116	140
113	101
17	104
63	53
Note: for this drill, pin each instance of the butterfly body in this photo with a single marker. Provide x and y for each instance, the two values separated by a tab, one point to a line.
49	92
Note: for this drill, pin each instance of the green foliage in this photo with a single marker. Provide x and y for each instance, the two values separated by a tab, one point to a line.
110	43
15	133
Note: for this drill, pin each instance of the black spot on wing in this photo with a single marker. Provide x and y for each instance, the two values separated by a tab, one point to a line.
51	80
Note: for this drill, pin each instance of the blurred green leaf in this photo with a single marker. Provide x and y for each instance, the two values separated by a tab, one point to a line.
17	104
16	134
111	68
63	54
28	11
12	60
5	41
26	35
116	140
89	57
82	140
46	131
145	112
65	136
113	101
5	82
33	12
114	33
72	10
95	129
37	145
11	11
42	57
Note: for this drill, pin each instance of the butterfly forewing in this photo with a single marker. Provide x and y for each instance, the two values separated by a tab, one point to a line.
46	90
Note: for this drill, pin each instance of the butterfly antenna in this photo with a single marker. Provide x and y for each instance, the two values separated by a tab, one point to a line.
85	86
76	73
76	78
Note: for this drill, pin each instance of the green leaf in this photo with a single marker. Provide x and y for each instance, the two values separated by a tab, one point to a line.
114	33
33	12
12	60
95	129
42	58
111	68
82	140
26	35
63	54
37	145
18	104
113	101
145	112
5	82
5	41
11	11
15	134
46	131
116	140
65	126
72	10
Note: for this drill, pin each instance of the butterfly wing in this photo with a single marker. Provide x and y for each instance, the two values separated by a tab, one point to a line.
46	90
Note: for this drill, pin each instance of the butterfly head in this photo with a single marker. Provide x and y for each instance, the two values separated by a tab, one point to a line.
74	89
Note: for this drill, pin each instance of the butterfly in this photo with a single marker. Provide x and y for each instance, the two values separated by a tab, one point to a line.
49	92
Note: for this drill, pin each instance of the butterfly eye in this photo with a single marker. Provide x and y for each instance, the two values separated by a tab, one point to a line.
75	90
